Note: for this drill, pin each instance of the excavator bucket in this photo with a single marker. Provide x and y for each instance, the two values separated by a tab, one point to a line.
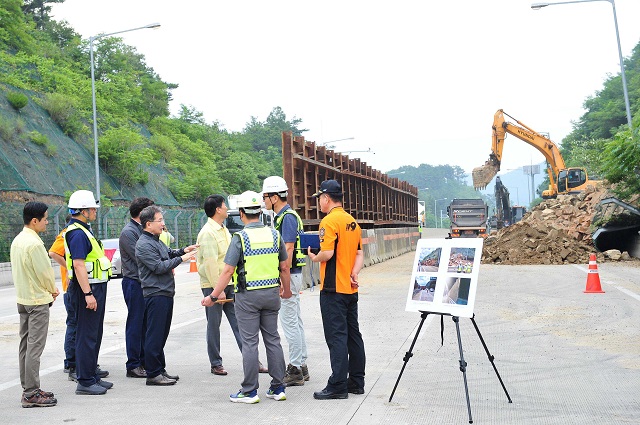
483	175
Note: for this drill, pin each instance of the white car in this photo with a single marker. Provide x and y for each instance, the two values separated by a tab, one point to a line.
112	251
234	224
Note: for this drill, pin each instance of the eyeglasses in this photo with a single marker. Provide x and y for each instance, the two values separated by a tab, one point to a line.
266	195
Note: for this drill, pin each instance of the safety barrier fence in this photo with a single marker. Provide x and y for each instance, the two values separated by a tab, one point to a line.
377	244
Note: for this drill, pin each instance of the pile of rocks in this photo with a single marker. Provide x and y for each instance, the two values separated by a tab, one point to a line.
557	231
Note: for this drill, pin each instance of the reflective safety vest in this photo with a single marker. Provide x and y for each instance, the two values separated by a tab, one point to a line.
300	257
98	265
165	238
260	250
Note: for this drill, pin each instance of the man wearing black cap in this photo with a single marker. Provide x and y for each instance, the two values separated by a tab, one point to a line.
341	259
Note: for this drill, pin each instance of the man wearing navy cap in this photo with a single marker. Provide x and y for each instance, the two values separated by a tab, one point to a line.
341	259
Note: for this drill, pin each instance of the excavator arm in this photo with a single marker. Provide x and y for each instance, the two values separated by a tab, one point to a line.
483	175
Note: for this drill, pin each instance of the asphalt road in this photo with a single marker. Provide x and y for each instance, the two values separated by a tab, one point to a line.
565	357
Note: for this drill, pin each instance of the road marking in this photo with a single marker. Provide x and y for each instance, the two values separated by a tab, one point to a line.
614	284
119	346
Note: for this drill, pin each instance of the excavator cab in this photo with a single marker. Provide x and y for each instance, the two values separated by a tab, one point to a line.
571	178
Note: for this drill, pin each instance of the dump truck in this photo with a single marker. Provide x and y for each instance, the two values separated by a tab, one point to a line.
468	218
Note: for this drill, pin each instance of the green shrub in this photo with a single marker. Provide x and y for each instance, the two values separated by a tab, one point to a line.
50	150
17	100
62	110
19	127
38	138
6	129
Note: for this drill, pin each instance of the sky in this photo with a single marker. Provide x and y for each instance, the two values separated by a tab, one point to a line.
410	81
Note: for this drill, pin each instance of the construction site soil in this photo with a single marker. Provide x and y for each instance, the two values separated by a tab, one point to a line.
557	231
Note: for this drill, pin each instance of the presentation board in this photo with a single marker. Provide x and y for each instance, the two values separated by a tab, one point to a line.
444	278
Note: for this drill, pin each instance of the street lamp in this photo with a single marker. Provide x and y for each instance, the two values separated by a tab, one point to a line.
93	98
333	141
367	151
435	212
538	6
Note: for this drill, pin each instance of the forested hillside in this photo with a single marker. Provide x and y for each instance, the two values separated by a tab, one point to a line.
46	105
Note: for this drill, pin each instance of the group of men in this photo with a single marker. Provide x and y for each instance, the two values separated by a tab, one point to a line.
253	276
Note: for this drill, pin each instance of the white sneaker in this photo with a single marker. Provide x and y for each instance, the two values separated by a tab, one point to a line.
277	393
248	398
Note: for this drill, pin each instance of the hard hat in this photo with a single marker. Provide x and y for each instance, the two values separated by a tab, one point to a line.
83	199
274	184
250	202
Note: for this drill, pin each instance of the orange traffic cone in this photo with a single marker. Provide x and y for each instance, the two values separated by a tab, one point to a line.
193	267
593	278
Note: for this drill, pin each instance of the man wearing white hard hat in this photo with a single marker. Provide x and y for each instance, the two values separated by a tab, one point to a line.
258	258
289	224
89	270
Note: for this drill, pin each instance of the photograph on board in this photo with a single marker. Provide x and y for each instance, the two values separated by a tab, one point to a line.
456	290
423	288
429	259
461	260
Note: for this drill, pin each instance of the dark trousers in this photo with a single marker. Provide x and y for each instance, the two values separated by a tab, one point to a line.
342	334
70	333
135	327
214	318
158	313
89	332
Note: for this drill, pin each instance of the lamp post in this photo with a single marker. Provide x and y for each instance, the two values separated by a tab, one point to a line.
538	6
367	151
435	212
333	141
93	99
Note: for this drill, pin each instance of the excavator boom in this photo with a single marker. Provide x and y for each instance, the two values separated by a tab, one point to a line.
483	175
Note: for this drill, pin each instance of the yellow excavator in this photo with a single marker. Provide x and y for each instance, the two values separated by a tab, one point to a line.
562	180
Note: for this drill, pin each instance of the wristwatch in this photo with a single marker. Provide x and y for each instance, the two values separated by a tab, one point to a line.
214	299
86	294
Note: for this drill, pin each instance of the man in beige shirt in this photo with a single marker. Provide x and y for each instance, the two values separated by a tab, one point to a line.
35	292
214	241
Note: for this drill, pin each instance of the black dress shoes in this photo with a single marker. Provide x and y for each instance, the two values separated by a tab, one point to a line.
173	377
355	390
328	395
160	380
137	372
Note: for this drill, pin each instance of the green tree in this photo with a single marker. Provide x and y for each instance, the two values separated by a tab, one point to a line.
606	111
621	163
124	155
15	33
39	10
261	135
128	86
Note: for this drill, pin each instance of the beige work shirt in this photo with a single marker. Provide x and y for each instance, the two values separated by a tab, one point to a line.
214	241
31	269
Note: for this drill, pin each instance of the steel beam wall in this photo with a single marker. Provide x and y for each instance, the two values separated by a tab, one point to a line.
372	197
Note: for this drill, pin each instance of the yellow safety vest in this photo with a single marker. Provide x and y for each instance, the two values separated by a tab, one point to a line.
165	238
300	257
260	249
98	265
